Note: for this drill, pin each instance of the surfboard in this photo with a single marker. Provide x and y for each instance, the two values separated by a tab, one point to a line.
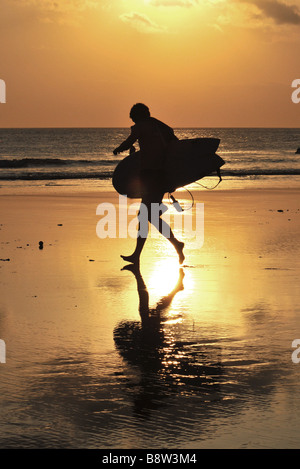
186	161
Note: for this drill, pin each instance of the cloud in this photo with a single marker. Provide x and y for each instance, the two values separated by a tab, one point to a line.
173	3
51	11
141	22
273	17
57	5
276	10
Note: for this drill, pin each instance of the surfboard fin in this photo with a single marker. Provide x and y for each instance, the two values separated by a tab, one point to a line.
176	204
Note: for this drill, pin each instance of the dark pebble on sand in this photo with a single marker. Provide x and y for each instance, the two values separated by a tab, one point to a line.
41	244
59	224
279	210
5	260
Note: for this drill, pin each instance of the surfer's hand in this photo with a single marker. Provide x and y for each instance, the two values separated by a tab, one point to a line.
116	151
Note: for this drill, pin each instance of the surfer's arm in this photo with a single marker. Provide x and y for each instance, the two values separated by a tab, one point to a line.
127	143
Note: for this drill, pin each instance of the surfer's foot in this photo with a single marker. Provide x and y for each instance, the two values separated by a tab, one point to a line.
133	259
179	248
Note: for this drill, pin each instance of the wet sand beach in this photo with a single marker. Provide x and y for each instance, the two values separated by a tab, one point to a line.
211	368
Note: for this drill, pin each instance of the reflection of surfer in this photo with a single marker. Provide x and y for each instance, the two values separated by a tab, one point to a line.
153	137
150	315
165	359
143	342
144	345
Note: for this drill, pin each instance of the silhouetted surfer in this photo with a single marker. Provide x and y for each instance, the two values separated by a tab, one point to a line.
154	137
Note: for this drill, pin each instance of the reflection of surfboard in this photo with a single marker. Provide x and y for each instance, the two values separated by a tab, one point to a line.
186	162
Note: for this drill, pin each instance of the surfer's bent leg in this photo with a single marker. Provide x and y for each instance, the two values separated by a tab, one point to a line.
163	227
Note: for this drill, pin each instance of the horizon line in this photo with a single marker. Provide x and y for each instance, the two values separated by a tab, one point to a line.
126	127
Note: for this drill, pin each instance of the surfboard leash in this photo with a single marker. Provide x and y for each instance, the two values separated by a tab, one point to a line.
176	203
208	188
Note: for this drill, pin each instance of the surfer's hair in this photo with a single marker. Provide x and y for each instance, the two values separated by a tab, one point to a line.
139	111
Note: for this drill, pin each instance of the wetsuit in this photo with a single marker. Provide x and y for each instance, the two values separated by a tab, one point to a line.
153	137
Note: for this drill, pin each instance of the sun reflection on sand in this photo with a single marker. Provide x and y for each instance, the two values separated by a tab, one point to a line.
163	275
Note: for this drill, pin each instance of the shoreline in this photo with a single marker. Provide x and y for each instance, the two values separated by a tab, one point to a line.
93	190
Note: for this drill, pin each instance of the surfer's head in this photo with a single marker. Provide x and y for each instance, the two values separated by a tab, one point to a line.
139	112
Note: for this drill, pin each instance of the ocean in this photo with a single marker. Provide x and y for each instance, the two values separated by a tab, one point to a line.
84	156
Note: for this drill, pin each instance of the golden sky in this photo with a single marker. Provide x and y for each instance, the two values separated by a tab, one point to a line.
199	63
